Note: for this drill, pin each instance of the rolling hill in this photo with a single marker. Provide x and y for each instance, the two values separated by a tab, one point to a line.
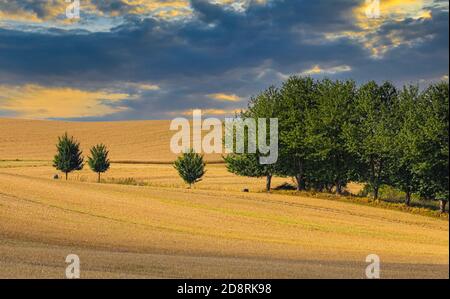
126	140
142	221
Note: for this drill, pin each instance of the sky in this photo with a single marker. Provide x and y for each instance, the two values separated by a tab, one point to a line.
159	59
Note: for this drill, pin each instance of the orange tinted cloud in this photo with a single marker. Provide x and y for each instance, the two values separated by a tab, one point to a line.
54	11
216	112
35	101
327	70
224	97
389	11
51	11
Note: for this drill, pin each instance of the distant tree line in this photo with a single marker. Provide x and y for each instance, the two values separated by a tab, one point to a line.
334	132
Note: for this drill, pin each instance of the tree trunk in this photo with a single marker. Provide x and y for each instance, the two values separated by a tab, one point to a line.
299	177
442	204
408	198
268	182
375	192
329	188
98	180
338	187
66	175
373	178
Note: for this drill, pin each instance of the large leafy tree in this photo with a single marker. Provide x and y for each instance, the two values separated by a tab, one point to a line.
69	156
369	137
334	164
248	165
265	105
330	132
432	144
190	167
298	99
407	120
98	161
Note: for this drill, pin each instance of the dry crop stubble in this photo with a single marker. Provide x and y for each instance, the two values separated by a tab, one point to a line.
215	224
161	229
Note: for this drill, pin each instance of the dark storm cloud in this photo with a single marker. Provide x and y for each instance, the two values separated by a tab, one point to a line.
155	50
33	6
219	50
426	58
111	6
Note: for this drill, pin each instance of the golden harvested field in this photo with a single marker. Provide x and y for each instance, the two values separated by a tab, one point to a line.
157	175
163	229
126	140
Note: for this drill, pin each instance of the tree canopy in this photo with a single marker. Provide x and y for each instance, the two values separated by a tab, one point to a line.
190	167
334	132
69	156
98	161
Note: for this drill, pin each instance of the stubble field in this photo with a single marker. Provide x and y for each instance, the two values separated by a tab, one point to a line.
142	221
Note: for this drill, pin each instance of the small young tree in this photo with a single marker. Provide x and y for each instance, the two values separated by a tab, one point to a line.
190	167
99	161
68	157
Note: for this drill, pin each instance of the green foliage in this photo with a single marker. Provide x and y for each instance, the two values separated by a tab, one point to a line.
98	161
298	99
190	167
69	156
124	181
312	117
420	151
333	132
333	163
432	144
404	154
369	136
245	165
265	105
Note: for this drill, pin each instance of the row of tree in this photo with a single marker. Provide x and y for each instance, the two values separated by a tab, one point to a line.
334	132
69	157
